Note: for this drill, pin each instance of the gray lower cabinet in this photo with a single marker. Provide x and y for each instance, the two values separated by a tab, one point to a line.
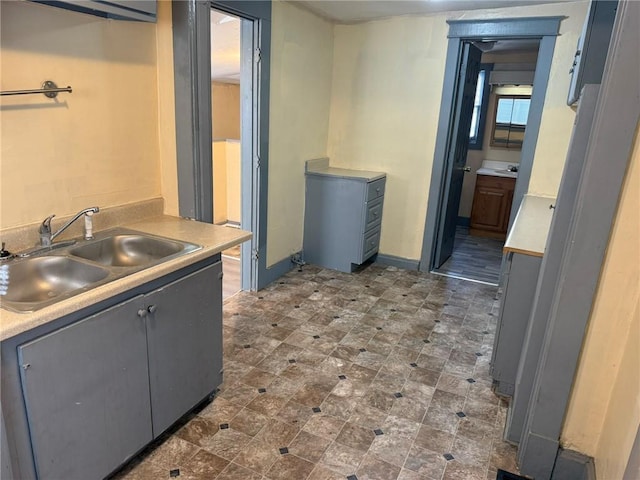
86	391
98	390
342	220
520	278
184	336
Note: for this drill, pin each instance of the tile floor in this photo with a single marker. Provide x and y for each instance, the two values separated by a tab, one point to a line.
381	374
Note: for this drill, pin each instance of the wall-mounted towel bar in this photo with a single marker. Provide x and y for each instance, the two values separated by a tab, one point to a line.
49	89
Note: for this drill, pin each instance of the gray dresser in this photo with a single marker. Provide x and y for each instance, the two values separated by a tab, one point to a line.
343	215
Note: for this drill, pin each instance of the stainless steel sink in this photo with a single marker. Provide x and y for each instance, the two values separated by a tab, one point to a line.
58	272
36	282
127	250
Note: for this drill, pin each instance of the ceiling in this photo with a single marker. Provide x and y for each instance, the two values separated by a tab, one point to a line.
353	11
225	29
225	48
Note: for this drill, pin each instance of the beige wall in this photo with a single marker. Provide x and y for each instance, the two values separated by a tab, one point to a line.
301	60
387	84
225	105
95	146
604	410
226	181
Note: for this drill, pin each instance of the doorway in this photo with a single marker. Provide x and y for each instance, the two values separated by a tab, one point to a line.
448	164
486	167
226	134
192	76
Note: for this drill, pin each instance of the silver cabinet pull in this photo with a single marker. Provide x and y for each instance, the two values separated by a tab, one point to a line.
142	313
152	308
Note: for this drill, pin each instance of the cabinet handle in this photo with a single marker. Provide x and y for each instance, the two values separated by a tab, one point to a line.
375	214
142	313
152	308
378	190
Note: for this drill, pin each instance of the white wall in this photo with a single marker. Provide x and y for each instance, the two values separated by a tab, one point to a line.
301	59
387	84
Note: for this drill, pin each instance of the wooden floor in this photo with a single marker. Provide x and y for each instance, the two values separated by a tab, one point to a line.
474	258
231	280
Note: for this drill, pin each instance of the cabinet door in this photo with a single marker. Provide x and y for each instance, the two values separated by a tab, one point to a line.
184	331
86	392
488	208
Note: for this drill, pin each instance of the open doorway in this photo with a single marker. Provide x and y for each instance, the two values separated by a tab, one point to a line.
449	162
489	168
226	133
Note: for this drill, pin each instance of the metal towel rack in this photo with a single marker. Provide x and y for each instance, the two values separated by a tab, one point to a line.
49	89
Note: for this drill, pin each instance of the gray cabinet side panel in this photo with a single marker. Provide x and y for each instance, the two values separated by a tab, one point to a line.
550	269
5	459
185	344
334	214
89	409
514	318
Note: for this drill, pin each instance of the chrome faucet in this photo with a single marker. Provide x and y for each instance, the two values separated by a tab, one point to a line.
46	237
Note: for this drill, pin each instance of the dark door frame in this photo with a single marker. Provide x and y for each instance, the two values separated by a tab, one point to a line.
544	28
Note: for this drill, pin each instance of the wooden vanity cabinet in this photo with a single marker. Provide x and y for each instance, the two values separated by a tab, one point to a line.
99	389
491	208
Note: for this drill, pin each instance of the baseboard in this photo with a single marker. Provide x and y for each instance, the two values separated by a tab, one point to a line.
399	262
463	221
571	465
275	271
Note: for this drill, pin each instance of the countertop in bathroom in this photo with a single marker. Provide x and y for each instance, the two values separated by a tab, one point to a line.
494	168
213	239
528	234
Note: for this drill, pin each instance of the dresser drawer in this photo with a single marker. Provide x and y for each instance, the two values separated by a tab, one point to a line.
375	189
373	216
370	243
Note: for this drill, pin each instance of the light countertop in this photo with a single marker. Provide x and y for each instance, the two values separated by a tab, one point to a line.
213	238
497	169
320	166
530	229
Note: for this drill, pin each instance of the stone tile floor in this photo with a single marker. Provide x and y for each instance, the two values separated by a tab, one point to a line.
380	374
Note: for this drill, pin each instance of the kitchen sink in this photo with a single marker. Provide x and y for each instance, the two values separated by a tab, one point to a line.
36	282
43	276
127	250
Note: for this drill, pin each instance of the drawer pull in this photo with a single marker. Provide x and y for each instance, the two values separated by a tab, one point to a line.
378	190
375	214
142	313
152	309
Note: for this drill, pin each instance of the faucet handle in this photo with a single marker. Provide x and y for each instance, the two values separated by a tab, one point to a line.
46	225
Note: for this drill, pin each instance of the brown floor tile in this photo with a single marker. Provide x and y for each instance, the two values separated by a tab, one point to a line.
355	436
373	468
267	404
391	449
198	430
226	443
322	473
324	425
435	440
342	459
173	453
288	467
309	446
258	456
426	463
249	422
236	472
204	465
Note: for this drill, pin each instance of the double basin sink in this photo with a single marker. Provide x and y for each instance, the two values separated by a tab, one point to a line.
55	274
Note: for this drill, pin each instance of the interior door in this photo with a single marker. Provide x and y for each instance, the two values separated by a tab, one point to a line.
457	152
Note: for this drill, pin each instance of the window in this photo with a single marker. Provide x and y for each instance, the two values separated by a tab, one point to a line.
512	112
480	103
